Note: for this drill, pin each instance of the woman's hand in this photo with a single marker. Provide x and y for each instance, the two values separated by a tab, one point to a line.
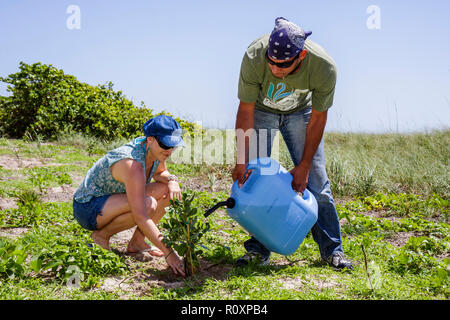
175	263
174	190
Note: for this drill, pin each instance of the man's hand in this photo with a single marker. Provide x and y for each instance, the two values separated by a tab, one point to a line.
300	177
239	173
314	134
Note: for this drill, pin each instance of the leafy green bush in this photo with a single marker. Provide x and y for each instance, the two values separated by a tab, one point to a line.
32	212
27	196
12	257
26	214
184	226
63	258
402	205
427	245
410	261
45	101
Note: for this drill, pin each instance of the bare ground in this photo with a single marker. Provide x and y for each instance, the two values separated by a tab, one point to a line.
154	272
16	163
57	194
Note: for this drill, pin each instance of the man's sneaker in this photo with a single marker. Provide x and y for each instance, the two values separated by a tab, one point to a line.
338	261
255	257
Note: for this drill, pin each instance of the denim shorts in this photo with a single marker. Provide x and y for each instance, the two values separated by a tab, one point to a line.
86	213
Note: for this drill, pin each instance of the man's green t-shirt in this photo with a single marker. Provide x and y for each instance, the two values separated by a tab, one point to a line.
312	85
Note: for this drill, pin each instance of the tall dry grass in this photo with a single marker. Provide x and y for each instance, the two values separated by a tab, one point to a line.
360	164
357	163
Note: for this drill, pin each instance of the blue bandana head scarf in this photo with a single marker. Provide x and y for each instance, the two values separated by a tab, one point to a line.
286	40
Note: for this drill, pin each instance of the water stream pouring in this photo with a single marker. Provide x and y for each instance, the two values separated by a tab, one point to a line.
269	209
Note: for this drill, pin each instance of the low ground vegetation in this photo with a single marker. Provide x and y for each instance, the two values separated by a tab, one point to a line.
391	193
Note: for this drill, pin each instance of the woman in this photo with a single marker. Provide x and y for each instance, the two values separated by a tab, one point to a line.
117	194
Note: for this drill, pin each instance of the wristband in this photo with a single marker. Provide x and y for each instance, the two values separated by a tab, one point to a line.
172	177
168	254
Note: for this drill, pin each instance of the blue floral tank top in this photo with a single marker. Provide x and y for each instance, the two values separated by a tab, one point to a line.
99	180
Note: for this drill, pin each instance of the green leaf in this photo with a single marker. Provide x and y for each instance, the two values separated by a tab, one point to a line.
36	263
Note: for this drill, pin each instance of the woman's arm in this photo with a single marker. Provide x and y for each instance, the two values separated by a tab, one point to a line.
164	176
131	173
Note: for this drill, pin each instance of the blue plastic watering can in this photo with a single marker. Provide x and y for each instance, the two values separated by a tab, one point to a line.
269	209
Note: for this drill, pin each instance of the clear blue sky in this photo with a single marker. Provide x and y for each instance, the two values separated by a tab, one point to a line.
184	56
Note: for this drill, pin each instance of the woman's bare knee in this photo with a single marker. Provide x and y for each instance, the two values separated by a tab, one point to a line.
164	201
157	190
150	205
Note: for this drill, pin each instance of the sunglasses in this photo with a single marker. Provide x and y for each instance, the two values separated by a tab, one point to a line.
162	145
282	65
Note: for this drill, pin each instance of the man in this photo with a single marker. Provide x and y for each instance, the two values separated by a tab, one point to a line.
287	83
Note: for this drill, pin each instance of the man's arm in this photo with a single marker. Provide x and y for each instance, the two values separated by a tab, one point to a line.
245	119
244	122
314	134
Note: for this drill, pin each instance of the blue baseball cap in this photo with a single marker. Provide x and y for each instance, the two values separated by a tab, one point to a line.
166	128
286	40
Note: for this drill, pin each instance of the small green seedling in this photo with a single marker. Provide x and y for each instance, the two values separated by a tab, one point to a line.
184	226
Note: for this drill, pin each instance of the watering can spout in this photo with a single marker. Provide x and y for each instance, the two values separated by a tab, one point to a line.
229	203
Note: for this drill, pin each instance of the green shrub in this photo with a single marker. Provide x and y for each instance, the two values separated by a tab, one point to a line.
408	261
45	102
63	258
184	226
12	257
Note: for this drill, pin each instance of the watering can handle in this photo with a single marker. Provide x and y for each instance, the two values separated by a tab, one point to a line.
306	194
252	177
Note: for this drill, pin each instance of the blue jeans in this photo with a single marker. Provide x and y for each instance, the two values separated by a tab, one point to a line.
326	232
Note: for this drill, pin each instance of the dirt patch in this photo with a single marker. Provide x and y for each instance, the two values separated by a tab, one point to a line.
200	183
322	284
120	240
381	214
399	239
62	193
58	194
156	272
16	163
298	284
119	286
7	203
160	273
10	178
12	233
